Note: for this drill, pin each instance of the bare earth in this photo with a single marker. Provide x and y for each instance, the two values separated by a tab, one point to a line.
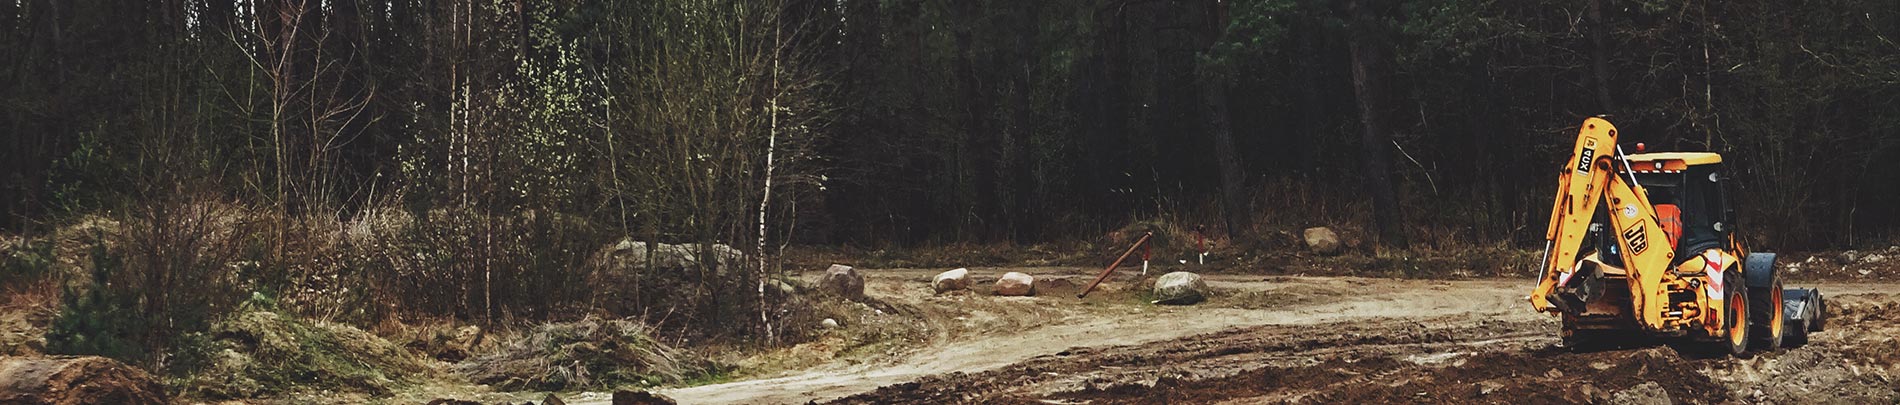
1273	339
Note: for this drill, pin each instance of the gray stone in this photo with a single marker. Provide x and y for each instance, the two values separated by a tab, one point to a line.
843	281
1014	284
630	255
1322	240
953	280
782	286
1647	393
1180	288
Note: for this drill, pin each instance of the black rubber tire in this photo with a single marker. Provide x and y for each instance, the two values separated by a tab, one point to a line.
1736	345
1818	321
1765	318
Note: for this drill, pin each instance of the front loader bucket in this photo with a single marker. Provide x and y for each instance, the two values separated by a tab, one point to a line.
1803	311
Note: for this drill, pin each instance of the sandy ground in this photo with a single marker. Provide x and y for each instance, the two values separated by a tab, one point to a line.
1274	339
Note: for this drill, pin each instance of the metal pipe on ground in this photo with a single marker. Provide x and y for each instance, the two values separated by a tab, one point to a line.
1117	263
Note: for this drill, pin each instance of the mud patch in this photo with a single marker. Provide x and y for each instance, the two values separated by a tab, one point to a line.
1292	361
1856	360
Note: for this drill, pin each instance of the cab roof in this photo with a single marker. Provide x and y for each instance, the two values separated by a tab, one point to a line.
1687	158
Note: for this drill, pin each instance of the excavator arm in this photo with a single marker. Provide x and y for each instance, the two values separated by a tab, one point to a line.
1587	181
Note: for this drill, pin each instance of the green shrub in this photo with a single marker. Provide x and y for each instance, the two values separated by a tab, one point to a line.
29	260
101	319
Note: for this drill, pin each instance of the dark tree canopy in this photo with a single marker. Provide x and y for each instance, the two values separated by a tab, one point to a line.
930	121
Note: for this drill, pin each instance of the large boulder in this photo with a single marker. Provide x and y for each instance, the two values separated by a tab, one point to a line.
629	255
1015	284
76	380
1322	240
1180	288
843	281
953	280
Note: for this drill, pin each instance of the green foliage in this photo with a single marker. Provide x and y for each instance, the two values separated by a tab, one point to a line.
101	318
27	260
1255	30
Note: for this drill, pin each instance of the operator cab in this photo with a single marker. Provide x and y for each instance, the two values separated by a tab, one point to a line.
1687	192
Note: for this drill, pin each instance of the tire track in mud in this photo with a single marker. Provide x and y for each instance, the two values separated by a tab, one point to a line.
1293	303
1130	374
1278	339
1443	359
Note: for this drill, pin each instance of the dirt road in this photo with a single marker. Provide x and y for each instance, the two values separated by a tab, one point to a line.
1298	339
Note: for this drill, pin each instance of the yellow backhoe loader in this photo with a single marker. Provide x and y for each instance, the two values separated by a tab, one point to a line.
1644	245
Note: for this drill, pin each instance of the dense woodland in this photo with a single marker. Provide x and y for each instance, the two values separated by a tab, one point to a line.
468	159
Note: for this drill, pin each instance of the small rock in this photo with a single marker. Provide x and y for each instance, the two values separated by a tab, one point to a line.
783	287
829	323
1647	393
1180	288
1873	258
1592	393
624	397
953	280
1554	373
552	400
1486	387
1015	284
469	336
1322	240
843	281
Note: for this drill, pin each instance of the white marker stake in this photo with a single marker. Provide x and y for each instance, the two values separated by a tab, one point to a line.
1144	267
1203	258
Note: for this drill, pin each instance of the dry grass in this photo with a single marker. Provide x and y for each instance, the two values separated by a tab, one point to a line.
588	353
260	353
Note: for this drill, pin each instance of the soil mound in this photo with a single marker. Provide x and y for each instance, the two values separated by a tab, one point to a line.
587	353
76	380
263	354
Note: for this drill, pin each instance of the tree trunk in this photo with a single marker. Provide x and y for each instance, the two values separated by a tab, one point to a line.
1232	178
1213	92
765	198
1370	65
1599	57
